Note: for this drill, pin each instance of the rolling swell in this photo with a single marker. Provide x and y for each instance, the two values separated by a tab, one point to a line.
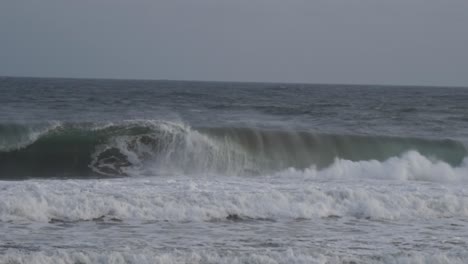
148	147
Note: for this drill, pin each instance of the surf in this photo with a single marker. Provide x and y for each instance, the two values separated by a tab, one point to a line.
160	147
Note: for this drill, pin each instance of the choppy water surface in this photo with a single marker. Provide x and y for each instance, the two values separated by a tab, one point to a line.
102	171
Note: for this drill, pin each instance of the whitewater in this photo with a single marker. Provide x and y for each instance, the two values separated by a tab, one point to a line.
102	171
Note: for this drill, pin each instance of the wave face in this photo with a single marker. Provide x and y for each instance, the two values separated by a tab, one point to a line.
151	147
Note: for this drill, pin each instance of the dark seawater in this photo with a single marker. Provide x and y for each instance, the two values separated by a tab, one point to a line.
212	172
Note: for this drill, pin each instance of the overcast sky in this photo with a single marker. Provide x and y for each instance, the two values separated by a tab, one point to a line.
418	42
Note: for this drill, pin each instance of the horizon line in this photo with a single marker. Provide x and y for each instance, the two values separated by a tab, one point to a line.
237	81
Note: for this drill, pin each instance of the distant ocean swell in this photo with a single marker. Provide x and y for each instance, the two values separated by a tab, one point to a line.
151	147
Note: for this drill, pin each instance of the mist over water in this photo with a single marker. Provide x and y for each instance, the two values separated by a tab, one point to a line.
200	172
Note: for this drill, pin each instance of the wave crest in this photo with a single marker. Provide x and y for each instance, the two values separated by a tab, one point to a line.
152	147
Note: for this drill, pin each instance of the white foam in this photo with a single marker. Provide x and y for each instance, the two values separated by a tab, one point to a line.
211	198
181	257
411	166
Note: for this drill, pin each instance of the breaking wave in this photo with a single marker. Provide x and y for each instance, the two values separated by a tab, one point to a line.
151	147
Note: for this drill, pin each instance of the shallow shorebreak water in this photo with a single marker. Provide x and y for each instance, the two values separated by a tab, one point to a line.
103	171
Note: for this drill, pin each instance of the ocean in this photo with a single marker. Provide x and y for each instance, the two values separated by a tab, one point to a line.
128	171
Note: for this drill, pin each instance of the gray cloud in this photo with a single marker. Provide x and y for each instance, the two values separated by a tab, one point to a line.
322	41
